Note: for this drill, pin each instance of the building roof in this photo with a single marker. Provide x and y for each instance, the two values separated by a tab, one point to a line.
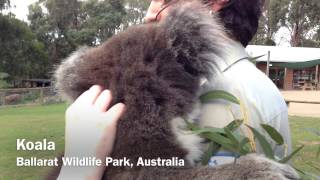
284	54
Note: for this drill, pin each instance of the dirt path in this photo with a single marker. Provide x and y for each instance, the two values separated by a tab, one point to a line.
299	109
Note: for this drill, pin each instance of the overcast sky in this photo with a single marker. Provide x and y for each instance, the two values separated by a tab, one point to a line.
20	8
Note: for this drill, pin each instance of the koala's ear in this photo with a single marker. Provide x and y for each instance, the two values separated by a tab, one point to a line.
68	80
196	36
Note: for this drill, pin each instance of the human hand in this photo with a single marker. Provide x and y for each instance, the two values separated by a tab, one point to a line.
90	131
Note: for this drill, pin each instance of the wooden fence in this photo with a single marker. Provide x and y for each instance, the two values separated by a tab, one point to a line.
28	96
288	101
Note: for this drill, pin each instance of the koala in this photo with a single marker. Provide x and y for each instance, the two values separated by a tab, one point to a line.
156	69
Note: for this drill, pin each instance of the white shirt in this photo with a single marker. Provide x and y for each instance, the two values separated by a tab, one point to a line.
261	99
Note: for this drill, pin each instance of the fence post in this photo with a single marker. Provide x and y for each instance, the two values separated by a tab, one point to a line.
2	98
41	96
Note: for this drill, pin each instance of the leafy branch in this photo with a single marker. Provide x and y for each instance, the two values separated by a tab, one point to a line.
229	138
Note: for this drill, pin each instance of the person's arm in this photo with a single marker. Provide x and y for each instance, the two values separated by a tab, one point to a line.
90	131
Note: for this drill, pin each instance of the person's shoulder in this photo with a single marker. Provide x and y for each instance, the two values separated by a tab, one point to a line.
256	87
248	74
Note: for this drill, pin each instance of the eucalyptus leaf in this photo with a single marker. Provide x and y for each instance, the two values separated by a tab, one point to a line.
216	148
234	125
266	147
221	140
299	170
288	158
244	146
208	130
313	166
318	153
208	154
273	133
213	95
232	137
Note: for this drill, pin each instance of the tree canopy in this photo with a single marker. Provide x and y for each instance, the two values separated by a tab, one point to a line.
55	28
300	17
4	4
21	54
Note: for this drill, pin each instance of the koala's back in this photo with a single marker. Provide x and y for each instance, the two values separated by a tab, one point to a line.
155	70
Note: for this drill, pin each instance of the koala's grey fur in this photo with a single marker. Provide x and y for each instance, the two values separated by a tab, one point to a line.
156	69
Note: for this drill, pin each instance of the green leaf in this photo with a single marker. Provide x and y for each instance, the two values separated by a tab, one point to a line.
243	146
208	130
208	154
232	137
217	138
273	133
216	148
266	147
221	140
318	153
313	166
286	159
234	125
299	170
212	95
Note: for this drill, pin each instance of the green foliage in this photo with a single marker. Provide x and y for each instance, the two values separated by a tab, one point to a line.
271	21
275	135
303	16
266	146
21	53
66	25
3	81
213	95
104	17
135	12
286	159
300	17
228	138
58	27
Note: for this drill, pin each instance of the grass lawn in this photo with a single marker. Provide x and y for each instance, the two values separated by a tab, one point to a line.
39	122
31	123
301	131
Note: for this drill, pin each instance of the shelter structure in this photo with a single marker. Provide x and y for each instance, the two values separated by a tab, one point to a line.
32	83
290	68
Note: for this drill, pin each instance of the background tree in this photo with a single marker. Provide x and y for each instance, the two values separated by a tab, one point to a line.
22	56
4	4
303	21
299	17
135	12
103	18
58	27
274	13
69	24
